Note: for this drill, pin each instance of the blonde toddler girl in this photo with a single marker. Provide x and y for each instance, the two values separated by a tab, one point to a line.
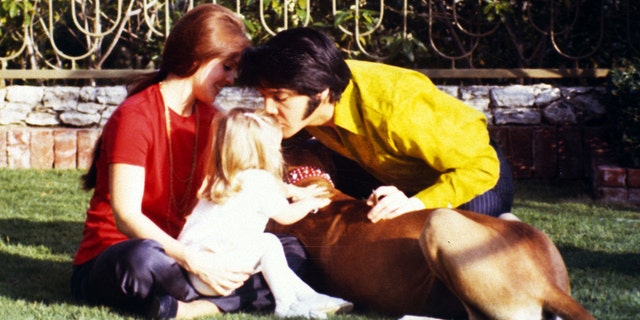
242	190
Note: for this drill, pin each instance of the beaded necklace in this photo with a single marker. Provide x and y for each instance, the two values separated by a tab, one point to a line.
183	205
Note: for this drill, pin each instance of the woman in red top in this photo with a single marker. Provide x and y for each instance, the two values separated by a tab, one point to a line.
145	175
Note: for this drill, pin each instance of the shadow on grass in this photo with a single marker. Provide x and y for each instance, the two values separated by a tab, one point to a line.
60	237
557	191
621	263
35	280
36	259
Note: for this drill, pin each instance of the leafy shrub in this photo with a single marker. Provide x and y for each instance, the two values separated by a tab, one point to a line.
624	109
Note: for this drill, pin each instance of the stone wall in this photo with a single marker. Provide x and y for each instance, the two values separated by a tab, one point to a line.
57	127
545	131
58	106
80	107
83	107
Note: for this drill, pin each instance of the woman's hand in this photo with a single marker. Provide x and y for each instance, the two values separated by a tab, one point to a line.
388	202
215	271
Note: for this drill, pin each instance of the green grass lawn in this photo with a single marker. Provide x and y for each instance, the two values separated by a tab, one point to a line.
41	215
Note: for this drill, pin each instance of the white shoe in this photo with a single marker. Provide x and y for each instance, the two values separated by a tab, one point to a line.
327	304
298	309
314	307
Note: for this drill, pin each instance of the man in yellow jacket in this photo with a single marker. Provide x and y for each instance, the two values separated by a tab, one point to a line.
392	130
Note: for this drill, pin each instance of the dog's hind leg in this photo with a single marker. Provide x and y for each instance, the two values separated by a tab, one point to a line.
498	269
485	263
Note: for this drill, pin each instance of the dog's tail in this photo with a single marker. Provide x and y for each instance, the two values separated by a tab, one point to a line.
561	304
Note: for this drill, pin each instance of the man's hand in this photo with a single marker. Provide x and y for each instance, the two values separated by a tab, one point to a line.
388	202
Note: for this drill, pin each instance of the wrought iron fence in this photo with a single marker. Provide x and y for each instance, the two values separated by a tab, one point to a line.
534	38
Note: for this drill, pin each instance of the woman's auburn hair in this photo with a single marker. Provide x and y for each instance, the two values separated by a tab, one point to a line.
205	32
241	139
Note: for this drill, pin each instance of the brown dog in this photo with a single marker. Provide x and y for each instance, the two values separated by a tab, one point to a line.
438	263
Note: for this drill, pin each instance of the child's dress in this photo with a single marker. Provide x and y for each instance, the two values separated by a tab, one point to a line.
235	230
240	220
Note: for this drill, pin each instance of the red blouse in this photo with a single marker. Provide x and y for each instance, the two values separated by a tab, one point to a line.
136	134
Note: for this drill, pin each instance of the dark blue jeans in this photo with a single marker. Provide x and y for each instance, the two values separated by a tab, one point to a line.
129	274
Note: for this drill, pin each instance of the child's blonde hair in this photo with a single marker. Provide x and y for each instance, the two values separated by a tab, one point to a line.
241	139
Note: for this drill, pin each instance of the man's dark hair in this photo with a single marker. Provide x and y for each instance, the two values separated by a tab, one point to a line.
301	59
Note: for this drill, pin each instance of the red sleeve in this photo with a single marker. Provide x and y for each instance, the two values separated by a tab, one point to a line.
130	133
